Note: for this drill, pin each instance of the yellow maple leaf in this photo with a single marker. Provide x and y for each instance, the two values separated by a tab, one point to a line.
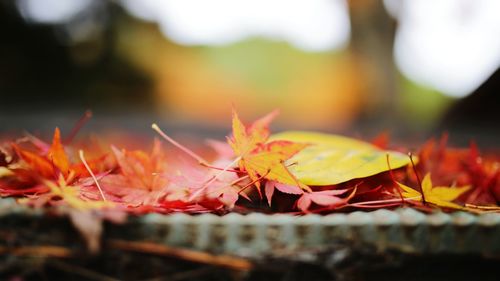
441	196
262	159
71	195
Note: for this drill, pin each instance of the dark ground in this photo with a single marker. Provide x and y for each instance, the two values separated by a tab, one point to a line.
49	248
359	265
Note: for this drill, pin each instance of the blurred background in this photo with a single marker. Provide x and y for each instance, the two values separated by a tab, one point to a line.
411	68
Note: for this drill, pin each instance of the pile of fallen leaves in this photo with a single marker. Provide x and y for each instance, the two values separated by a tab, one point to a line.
293	172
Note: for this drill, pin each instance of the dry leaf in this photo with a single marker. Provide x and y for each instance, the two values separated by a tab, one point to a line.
333	159
262	159
441	196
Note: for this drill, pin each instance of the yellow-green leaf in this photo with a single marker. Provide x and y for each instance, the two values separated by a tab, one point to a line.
333	159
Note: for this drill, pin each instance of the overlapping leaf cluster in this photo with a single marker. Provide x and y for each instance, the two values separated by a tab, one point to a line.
297	172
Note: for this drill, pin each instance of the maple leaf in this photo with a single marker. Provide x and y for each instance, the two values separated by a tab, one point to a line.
60	192
36	164
142	182
57	154
288	189
441	196
117	189
227	186
138	182
322	198
198	184
224	191
47	166
259	158
142	169
71	195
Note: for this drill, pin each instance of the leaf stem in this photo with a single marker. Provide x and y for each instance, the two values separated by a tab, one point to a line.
214	178
254	181
221	169
418	177
393	179
357	205
383	201
179	146
82	157
78	126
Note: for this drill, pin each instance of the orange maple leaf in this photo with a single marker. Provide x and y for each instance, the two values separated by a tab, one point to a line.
262	159
56	158
49	165
36	163
140	168
57	154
